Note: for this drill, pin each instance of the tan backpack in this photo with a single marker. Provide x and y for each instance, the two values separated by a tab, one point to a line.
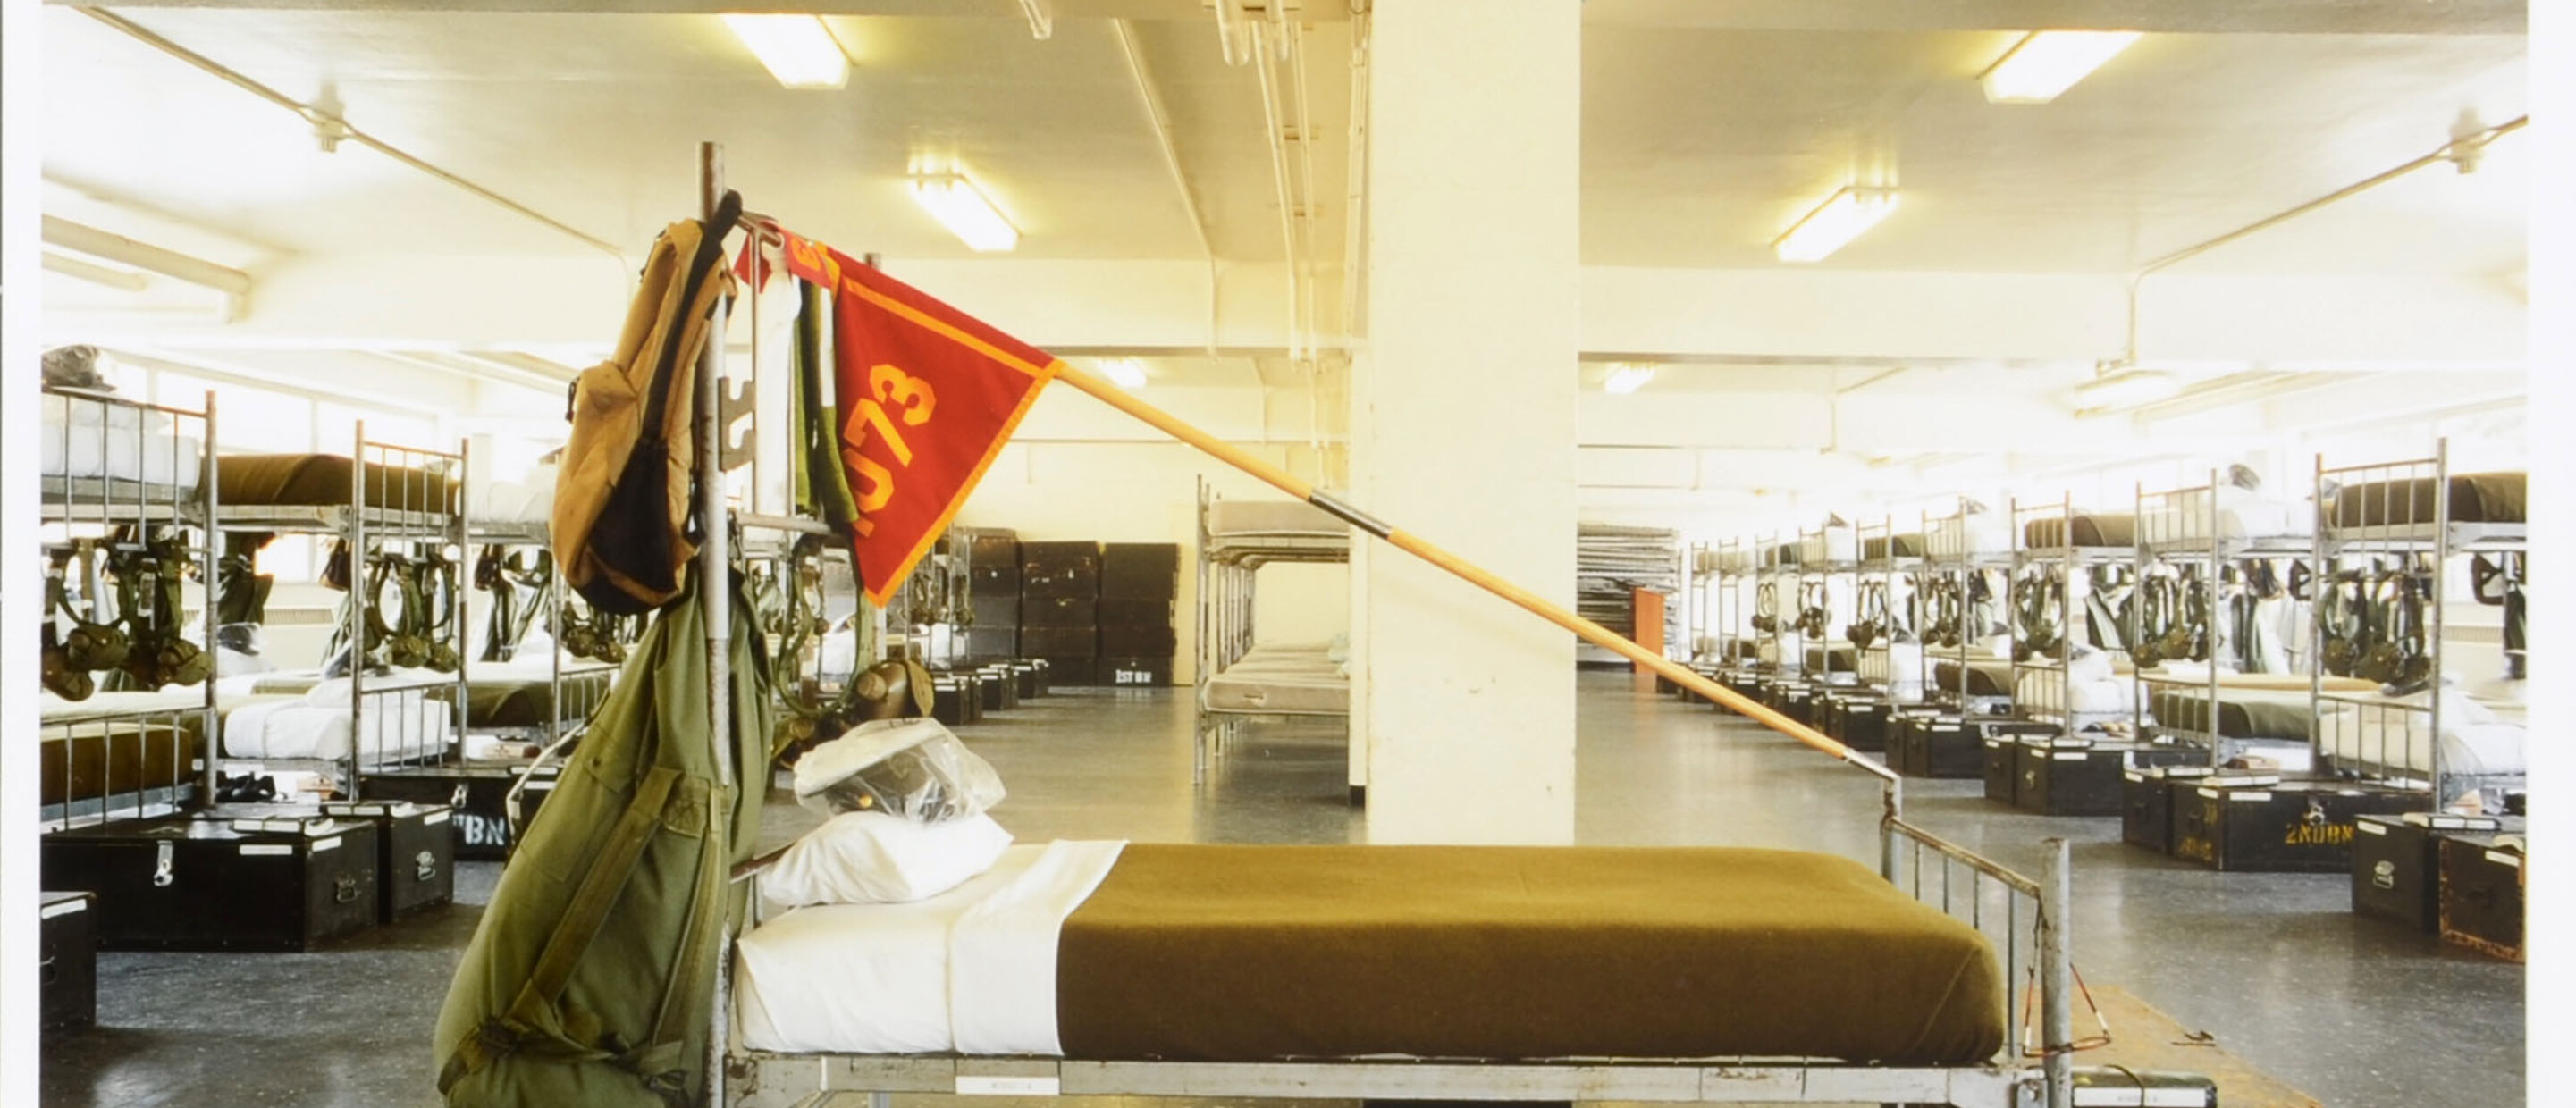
623	493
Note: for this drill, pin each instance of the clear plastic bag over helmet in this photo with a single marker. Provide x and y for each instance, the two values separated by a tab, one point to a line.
912	768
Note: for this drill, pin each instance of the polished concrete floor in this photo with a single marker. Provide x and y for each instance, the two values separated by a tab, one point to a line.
2358	1013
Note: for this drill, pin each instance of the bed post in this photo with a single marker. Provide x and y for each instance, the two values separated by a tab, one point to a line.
361	601
211	748
715	588
456	630
2057	976
1892	794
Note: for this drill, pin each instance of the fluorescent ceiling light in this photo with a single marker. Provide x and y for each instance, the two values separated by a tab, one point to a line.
798	49
964	210
2127	389
1834	223
2045	64
1127	373
1625	379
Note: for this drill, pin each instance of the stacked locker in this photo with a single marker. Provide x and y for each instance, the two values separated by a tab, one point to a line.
993	596
1139	589
1060	609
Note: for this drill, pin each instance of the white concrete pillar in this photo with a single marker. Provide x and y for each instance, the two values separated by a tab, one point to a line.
1463	416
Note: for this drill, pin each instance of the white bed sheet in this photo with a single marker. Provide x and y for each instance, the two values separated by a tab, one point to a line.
109	705
2241	515
396	724
1896	667
2376	732
84	439
2047	690
972	969
531	500
1964	536
1833	544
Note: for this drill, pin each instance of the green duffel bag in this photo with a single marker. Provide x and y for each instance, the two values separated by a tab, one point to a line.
591	979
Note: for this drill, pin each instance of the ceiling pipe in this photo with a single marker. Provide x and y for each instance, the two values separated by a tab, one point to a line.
1271	119
2463	151
1161	120
1355	197
337	129
1303	124
81	238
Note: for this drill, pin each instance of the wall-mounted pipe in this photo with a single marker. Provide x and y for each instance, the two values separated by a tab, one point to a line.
338	127
1271	116
1355	193
1161	120
2463	150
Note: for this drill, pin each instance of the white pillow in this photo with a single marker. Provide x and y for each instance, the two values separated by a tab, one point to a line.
875	858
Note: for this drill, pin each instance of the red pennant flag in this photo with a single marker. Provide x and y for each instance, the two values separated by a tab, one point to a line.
927	397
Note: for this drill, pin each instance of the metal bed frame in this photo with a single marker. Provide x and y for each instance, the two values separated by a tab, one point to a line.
2061	562
2164	541
107	501
1957	566
417	507
1887	569
1228	571
2026	918
1816	563
561	723
1772	574
2439	539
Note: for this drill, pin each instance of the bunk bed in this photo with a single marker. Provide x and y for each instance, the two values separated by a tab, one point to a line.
518	684
1239	677
1966	555
2058	549
120	479
2191	540
388	701
2410	519
1886	612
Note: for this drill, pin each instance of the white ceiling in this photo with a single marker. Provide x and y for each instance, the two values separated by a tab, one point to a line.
1708	128
1700	146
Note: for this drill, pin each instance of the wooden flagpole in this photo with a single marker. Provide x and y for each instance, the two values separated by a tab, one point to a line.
1406	541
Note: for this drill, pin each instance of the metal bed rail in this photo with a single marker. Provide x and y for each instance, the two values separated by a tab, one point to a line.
2166	548
110	460
127	440
2397	744
121	763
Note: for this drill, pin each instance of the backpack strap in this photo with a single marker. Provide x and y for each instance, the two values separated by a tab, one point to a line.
710	255
518	1030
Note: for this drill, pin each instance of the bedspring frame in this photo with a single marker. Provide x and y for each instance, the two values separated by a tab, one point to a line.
2028	916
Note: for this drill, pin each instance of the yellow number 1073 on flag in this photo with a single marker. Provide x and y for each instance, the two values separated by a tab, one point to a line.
913	401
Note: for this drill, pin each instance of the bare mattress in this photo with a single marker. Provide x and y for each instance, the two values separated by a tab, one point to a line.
1281	680
1257	953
